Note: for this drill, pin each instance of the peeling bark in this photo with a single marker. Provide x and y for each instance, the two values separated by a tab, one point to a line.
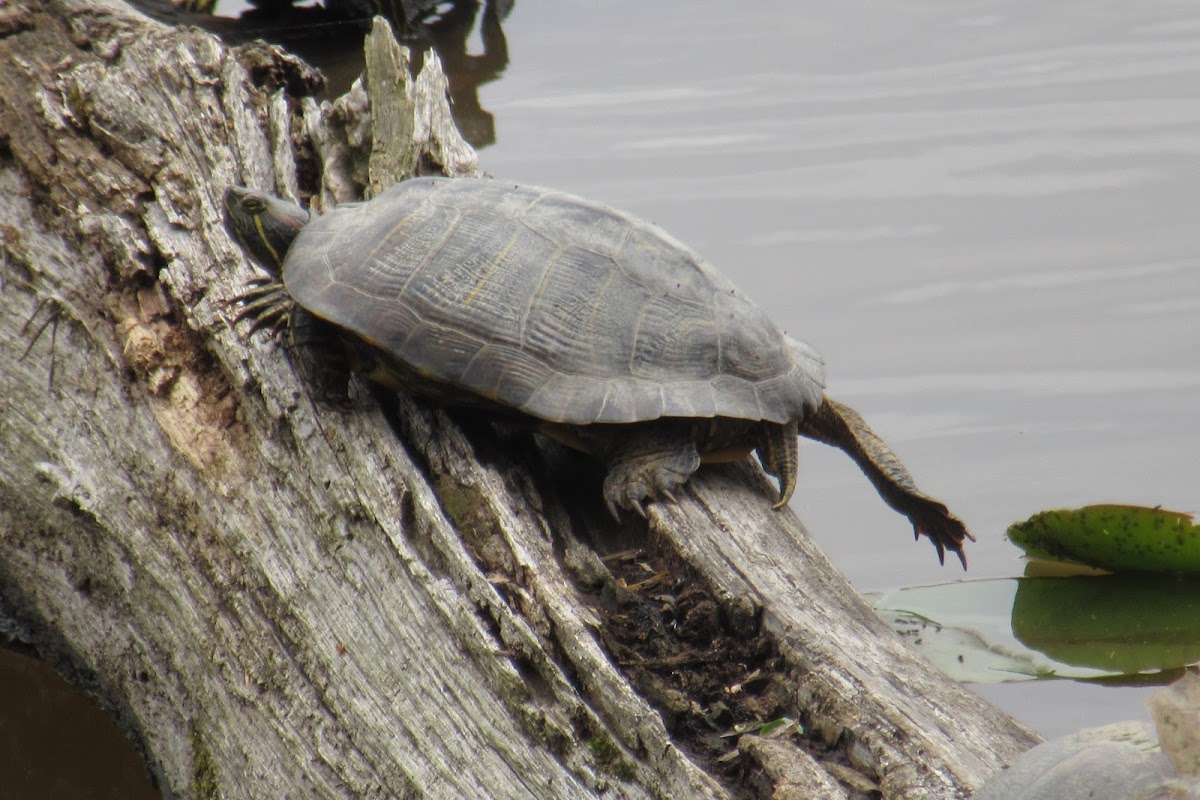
277	597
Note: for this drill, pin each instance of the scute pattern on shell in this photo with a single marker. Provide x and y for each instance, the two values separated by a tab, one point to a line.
565	309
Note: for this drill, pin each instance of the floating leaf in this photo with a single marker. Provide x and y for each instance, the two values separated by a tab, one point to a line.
1116	538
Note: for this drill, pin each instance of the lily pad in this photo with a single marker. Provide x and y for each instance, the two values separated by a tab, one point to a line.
1113	537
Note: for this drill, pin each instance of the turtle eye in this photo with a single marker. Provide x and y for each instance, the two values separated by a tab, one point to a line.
254	205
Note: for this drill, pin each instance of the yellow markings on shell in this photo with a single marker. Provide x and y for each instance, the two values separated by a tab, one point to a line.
373	368
386	239
487	274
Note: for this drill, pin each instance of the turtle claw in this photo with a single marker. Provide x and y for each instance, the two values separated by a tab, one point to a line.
634	497
612	507
266	304
946	532
941	552
616	500
626	498
649	471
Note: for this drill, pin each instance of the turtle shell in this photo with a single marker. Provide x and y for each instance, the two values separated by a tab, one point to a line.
562	308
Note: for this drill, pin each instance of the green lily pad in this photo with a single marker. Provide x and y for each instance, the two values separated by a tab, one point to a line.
1113	537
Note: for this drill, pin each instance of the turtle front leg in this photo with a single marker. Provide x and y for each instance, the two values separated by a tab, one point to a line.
320	356
647	464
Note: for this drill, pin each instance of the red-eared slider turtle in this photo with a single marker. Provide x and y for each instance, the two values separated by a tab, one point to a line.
616	338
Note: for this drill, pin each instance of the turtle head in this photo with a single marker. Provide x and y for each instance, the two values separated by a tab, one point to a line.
263	225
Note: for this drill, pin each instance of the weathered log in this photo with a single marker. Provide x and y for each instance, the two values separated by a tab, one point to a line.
278	597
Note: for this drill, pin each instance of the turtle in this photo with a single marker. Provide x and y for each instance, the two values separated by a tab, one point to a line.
602	330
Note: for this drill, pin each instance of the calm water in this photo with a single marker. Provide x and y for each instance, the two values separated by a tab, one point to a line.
56	744
986	216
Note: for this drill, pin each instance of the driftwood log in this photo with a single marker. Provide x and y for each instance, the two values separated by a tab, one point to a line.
277	597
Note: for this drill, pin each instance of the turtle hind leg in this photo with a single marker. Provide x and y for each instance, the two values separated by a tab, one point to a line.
644	462
841	426
779	452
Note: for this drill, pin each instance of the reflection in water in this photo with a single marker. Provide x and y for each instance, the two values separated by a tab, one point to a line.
1126	629
468	72
332	42
1121	624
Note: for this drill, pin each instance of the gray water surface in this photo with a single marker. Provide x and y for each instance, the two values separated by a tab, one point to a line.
986	216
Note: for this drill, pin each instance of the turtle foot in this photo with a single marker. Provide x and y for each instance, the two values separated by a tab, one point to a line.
637	479
946	531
